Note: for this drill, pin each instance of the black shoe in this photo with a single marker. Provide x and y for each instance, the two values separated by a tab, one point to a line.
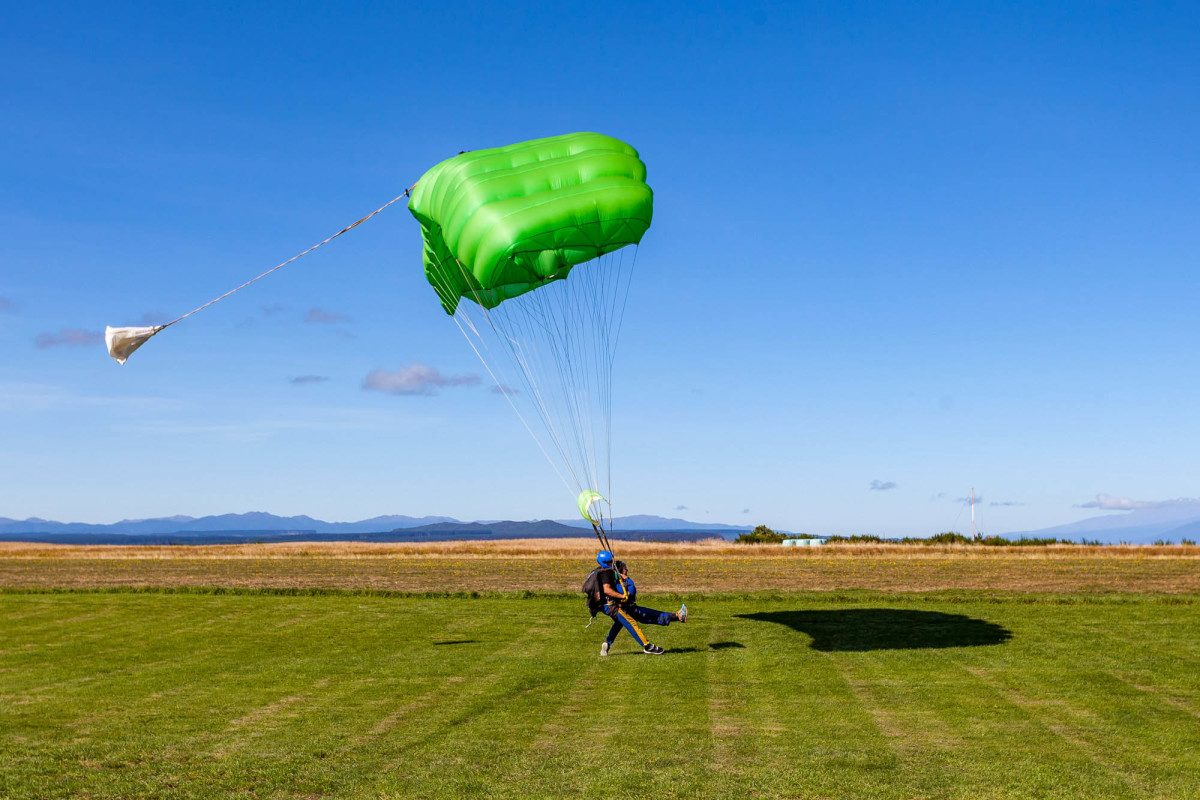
653	650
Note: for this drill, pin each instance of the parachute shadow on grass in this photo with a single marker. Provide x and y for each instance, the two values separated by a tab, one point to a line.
860	629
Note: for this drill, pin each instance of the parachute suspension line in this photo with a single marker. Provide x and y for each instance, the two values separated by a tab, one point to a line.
460	321
123	341
603	537
464	321
290	260
560	341
618	317
573	376
527	371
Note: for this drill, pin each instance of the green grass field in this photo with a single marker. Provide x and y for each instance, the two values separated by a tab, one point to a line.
805	695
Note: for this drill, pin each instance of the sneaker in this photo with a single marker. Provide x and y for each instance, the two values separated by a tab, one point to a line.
653	650
604	649
682	613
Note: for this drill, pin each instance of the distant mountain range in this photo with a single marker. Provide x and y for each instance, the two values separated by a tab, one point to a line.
646	522
253	521
1173	523
263	527
1169	523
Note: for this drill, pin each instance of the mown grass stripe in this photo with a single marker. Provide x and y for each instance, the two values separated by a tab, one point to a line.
347	695
807	597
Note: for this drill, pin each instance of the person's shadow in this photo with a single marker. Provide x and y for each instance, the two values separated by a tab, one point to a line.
859	629
711	646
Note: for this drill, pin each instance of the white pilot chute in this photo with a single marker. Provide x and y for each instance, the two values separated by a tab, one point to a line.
123	341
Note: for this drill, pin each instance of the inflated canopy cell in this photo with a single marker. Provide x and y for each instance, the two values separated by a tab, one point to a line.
498	223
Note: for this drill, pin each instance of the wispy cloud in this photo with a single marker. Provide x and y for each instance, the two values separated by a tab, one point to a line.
1008	503
414	379
881	486
681	508
152	318
503	389
745	511
35	398
297	420
967	499
301	380
6	305
68	337
267	312
319	316
1109	503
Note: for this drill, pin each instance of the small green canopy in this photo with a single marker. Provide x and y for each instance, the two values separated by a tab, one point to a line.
586	498
498	223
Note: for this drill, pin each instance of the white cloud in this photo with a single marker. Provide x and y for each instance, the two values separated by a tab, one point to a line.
414	379
881	486
745	511
1109	503
681	508
300	380
68	337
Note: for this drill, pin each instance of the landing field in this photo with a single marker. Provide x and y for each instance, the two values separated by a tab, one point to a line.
151	685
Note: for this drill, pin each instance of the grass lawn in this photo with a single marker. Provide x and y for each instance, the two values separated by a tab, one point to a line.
807	695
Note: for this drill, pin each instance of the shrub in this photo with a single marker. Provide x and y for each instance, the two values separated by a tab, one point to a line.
949	537
760	535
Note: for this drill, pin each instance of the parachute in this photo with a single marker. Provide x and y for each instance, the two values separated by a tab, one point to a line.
531	249
528	248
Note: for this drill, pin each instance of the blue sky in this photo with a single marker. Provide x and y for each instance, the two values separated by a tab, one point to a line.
899	250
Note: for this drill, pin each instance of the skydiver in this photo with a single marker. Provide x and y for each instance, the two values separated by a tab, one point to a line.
622	606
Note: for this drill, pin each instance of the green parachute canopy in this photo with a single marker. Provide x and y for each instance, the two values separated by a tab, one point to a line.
499	223
586	499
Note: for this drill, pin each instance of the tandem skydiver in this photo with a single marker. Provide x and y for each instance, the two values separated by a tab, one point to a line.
621	596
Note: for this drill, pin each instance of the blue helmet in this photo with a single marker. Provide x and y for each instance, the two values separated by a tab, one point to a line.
605	559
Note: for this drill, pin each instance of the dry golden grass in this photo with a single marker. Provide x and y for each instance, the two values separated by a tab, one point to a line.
581	548
559	565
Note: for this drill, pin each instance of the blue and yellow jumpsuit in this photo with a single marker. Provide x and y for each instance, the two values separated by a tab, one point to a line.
626	613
